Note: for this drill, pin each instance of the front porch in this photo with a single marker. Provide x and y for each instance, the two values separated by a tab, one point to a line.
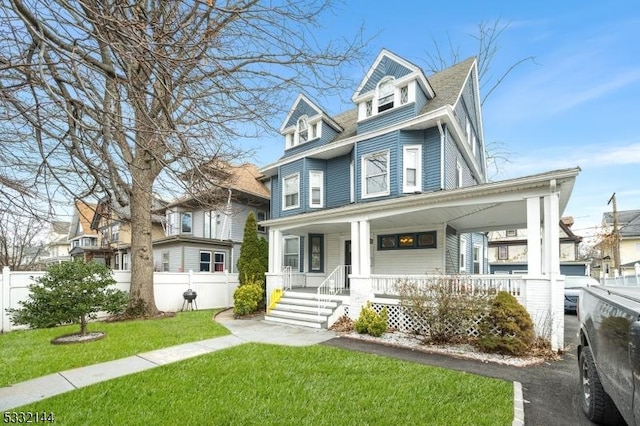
367	247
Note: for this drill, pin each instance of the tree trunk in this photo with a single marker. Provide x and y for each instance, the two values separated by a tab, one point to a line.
83	325
142	300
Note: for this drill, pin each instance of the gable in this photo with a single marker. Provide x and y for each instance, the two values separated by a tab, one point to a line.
386	67
302	107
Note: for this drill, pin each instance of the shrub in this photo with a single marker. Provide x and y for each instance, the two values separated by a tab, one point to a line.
253	261
443	309
507	328
246	298
371	322
70	293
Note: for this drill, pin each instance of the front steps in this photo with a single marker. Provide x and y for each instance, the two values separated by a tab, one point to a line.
302	308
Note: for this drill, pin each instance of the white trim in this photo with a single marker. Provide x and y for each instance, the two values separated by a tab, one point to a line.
352	181
285	253
284	193
462	255
363	178
317	109
317	174
480	258
418	166
459	183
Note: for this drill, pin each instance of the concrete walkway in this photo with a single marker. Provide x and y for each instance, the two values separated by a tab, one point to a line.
242	331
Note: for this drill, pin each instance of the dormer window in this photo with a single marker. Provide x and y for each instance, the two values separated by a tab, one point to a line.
302	131
386	90
369	108
404	95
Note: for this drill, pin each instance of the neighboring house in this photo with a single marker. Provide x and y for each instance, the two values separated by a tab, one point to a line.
508	251
397	186
57	243
84	242
113	226
629	230
209	239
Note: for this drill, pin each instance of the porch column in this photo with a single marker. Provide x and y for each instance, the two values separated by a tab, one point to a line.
359	279
533	237
365	248
275	251
355	248
551	238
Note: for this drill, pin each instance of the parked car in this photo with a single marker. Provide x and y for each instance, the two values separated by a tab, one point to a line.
573	285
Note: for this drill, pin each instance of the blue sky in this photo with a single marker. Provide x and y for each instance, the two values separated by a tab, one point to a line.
577	105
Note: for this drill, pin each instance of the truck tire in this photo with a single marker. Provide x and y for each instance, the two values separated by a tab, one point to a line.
596	403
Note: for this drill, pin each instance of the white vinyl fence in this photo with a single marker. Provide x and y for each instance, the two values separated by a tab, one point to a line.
214	290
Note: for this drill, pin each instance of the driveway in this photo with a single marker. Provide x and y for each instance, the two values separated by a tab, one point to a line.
551	390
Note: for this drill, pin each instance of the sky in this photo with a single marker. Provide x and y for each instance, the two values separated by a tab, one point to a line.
577	103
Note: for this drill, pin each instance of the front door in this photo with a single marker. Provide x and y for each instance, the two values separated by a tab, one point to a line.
347	262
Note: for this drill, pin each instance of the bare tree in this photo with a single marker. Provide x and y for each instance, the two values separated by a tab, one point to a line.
21	241
119	97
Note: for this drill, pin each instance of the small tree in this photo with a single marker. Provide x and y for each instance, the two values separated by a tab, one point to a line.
70	293
253	261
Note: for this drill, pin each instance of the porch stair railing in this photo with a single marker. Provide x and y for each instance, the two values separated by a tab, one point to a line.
335	283
291	278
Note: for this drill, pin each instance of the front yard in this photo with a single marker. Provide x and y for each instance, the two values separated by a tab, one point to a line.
266	384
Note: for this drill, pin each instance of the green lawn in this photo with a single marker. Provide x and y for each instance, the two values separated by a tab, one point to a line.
278	385
29	354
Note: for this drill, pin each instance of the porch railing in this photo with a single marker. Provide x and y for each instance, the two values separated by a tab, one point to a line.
334	284
291	278
514	285
623	281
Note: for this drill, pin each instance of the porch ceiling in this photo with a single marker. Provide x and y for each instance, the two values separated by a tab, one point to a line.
482	208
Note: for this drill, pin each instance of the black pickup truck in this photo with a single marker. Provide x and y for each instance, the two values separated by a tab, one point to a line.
609	354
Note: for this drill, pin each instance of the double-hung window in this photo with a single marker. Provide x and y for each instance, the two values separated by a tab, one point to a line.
291	252
291	192
375	174
477	259
187	223
386	93
412	168
218	261
316	188
205	261
463	255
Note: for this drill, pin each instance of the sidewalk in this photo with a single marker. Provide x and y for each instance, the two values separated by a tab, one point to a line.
242	331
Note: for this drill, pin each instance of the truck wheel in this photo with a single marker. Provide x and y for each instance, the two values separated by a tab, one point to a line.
596	404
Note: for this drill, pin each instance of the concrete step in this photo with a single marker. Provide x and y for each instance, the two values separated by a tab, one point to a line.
292	321
310	296
310	317
303	309
307	302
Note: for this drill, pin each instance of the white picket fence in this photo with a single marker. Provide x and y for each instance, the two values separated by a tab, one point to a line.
214	290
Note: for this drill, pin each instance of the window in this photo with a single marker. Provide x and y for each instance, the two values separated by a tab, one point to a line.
316	188
115	233
503	252
218	261
186	222
302	131
369	108
385	94
316	253
315	127
125	261
412	163
463	254
165	261
512	232
458	175
291	192
404	95
260	216
288	140
210	224
408	240
205	261
477	259
376	174
116	261
291	252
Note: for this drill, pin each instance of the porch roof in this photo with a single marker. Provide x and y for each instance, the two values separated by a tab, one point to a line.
485	207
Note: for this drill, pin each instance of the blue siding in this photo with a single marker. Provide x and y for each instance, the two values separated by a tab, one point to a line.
387	118
452	252
452	156
421	99
385	67
276	197
385	142
432	163
328	133
286	170
338	182
302	108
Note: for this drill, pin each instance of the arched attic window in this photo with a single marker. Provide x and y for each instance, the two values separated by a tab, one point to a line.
302	130
386	89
